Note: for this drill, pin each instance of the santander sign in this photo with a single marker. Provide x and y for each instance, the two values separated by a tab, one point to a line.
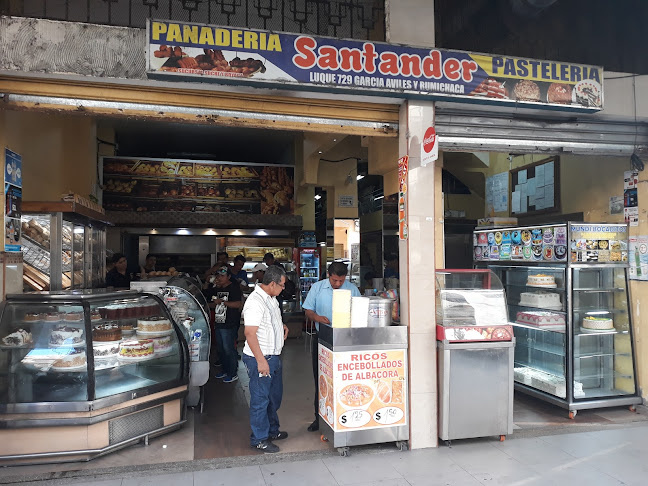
429	147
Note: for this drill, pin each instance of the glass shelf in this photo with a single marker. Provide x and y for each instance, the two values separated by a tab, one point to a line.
599	290
599	333
599	355
535	328
545	348
560	311
548	289
598	309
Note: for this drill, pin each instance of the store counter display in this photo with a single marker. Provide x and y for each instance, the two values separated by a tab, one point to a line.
567	293
475	355
107	369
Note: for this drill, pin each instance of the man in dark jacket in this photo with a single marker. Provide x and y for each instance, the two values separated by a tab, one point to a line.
225	298
117	277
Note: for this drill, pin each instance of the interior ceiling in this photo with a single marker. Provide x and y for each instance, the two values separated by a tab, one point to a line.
600	32
203	142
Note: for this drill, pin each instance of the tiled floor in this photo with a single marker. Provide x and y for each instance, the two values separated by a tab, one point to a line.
222	431
597	458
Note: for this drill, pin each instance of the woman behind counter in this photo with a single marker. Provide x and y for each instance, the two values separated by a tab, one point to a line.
117	277
148	267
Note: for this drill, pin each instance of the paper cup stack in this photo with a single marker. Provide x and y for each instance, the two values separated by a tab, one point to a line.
359	311
341	308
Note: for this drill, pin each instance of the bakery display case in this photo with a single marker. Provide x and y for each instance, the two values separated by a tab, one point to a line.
567	293
63	246
475	355
108	368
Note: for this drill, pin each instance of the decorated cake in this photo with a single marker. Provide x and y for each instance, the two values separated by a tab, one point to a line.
541	280
73	316
153	324
559	93
95	315
66	335
19	337
53	317
598	323
544	300
76	357
161	344
110	331
141	349
105	350
541	319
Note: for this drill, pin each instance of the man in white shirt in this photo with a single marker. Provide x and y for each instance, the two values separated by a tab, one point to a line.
265	333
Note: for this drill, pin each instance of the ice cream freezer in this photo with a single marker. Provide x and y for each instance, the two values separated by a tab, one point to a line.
362	377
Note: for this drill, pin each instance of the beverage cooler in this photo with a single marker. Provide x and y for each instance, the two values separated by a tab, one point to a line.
475	347
309	261
567	291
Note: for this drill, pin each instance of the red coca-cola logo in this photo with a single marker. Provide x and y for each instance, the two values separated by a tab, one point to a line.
429	139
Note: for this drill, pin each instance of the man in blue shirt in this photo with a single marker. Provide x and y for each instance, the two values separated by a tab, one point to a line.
318	307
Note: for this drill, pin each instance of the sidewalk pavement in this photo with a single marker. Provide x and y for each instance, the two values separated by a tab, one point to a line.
603	457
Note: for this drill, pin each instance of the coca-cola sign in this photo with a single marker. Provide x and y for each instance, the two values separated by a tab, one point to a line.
429	147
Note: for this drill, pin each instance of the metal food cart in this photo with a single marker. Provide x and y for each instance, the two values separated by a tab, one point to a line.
362	378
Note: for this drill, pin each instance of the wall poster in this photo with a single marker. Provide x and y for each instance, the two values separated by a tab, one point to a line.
497	193
201	186
13	199
638	256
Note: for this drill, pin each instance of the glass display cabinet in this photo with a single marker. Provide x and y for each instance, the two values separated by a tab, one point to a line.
63	245
110	367
567	293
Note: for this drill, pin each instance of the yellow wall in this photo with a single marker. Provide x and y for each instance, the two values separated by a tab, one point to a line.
59	153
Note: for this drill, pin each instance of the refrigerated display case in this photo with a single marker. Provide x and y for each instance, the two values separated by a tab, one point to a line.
86	372
63	245
567	291
187	304
475	355
308	260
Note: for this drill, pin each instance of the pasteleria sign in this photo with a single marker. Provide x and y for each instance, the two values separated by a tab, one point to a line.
247	56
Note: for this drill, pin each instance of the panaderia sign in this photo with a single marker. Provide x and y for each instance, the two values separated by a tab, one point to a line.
236	55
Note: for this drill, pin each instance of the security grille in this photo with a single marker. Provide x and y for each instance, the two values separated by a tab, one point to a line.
355	19
135	424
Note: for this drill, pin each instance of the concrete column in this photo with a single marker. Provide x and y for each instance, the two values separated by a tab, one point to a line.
417	257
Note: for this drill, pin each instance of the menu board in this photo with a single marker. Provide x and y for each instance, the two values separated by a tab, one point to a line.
182	185
599	243
595	243
542	243
360	390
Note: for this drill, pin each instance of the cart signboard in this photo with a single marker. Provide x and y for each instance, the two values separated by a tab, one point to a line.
361	390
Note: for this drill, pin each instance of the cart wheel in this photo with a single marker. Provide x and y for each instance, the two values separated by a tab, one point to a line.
448	443
572	414
323	438
344	451
502	438
632	408
402	445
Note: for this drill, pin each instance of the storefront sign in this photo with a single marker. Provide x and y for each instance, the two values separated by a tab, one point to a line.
236	55
360	390
199	186
429	147
599	243
403	163
13	199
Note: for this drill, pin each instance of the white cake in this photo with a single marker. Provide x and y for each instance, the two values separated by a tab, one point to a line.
541	319
598	323
544	300
17	338
162	344
153	324
541	280
66	335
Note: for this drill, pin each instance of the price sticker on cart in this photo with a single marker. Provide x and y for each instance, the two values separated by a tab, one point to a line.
363	389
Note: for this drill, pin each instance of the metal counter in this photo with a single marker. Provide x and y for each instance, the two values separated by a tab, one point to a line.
341	343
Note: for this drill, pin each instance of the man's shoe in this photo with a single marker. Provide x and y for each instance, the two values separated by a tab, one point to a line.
314	426
230	379
221	374
266	446
278	436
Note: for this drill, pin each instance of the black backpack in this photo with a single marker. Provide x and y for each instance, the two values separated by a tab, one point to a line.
289	290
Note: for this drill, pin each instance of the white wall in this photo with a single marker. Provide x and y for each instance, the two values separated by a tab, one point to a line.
410	22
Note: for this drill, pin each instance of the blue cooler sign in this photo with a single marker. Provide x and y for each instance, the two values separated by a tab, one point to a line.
13	199
247	56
